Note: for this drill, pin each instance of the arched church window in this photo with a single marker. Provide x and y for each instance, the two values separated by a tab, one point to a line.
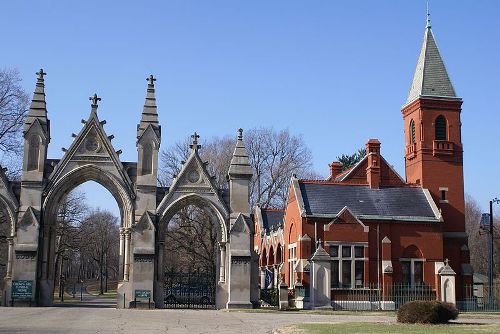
412	132
440	128
33	152
147	159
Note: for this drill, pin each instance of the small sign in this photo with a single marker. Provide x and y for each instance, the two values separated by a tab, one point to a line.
485	219
22	289
146	294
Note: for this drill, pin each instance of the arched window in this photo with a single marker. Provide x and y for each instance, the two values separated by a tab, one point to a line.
147	159
33	153
440	128
412	132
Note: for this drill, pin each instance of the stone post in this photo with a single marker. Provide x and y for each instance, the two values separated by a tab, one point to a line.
283	296
447	284
320	290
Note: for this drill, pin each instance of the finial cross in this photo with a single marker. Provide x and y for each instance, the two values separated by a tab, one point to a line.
194	138
428	16
40	74
94	100
151	80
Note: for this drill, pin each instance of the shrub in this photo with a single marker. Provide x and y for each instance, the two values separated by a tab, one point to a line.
427	312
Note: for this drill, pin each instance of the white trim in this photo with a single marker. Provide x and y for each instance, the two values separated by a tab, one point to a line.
443	188
298	196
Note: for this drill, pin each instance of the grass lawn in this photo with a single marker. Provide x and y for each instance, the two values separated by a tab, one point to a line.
368	328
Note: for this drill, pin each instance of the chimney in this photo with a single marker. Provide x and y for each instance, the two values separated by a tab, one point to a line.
373	168
335	169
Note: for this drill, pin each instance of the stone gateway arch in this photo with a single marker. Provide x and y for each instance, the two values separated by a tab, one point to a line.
31	206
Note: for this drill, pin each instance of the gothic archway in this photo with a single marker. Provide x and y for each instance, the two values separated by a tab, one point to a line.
60	189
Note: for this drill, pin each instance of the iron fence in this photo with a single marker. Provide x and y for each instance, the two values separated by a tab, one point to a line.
480	298
376	297
270	296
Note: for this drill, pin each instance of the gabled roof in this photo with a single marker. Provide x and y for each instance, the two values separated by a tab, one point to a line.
272	218
431	78
327	199
93	128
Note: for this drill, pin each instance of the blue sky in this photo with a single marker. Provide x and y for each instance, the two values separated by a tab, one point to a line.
336	72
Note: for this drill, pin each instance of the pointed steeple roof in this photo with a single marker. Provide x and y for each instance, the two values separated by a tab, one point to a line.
240	164
38	107
149	112
431	78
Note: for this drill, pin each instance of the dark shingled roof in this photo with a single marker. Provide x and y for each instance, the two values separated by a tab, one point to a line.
272	218
329	199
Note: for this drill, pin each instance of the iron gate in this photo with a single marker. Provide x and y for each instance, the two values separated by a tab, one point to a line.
189	289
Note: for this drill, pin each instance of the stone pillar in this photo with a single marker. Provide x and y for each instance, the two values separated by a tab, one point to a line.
447	284
320	290
283	296
386	273
126	255
263	277
222	266
121	252
10	254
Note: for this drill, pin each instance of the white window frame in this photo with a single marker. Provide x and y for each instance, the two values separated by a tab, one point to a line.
353	260
412	268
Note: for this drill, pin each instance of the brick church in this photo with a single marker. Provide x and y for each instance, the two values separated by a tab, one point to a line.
367	225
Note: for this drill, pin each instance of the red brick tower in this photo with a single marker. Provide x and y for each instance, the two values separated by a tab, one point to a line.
434	155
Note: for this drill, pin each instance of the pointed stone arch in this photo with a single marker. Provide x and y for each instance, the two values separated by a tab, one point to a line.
90	172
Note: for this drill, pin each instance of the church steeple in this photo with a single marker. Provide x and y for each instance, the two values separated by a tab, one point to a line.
149	112
431	78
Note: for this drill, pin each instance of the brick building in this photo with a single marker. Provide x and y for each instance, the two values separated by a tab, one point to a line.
369	227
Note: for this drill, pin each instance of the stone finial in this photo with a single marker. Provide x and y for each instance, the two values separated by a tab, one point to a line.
194	141
41	74
240	134
428	26
151	80
95	100
446	262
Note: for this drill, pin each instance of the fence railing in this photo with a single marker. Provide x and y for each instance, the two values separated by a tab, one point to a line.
270	296
376	297
480	298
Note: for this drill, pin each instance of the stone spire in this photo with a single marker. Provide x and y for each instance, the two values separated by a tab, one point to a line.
38	107
240	165
149	112
431	78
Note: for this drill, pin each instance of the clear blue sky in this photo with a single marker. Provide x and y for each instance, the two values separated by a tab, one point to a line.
336	72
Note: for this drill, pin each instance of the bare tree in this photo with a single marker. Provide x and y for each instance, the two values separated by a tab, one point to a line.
14	103
274	156
71	213
101	232
479	238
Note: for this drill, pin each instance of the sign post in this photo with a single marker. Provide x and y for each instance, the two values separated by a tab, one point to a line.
142	294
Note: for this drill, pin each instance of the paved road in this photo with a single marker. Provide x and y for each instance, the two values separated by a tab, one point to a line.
94	320
105	320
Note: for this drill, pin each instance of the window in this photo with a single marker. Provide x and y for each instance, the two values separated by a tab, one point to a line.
348	266
443	191
412	132
413	271
440	128
292	261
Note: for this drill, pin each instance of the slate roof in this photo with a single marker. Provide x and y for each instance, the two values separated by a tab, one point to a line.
398	203
431	77
272	218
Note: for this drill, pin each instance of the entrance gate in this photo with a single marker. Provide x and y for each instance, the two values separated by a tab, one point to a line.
144	208
189	289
